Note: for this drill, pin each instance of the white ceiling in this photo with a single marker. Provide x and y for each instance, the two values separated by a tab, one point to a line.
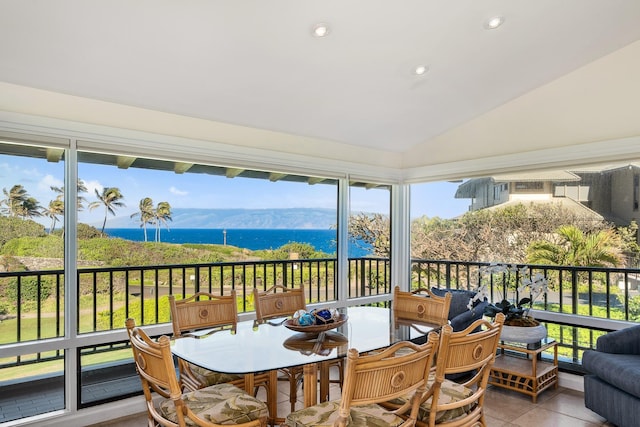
256	64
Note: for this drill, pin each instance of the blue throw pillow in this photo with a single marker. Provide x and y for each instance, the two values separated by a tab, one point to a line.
463	320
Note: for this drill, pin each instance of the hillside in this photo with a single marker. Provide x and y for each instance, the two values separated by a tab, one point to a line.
288	218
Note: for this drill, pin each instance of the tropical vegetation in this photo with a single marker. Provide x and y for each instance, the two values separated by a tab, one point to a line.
540	234
17	203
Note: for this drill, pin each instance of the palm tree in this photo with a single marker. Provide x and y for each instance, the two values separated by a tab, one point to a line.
601	249
82	188
147	214
30	208
14	199
110	199
162	214
56	208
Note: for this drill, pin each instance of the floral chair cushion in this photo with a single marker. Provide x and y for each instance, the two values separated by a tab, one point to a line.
221	403
324	415
208	378
449	392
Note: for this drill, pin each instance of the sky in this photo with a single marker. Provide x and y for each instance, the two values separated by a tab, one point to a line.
190	190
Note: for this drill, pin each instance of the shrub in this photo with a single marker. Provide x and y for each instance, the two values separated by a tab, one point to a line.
11	228
29	289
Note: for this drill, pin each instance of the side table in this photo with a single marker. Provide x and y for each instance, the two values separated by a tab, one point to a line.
517	368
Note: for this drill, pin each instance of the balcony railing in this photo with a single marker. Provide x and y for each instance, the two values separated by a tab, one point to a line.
107	296
582	302
583	299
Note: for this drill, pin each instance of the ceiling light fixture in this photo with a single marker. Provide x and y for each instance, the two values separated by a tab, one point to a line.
494	22
420	70
320	30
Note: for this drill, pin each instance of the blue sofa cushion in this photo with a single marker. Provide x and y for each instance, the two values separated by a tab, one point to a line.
619	370
624	341
459	300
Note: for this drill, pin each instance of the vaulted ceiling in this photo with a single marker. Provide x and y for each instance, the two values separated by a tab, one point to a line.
253	73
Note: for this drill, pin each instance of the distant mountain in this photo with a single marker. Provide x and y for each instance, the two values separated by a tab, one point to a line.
288	218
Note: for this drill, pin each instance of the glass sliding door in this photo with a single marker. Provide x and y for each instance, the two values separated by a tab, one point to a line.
32	277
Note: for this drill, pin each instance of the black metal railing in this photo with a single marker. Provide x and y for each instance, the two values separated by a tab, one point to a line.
107	296
606	297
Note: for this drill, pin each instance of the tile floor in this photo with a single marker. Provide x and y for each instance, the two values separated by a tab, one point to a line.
503	408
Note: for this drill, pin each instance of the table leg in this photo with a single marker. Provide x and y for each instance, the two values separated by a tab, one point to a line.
324	381
249	383
310	380
272	399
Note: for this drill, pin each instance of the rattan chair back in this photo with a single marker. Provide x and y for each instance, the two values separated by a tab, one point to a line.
399	370
471	350
203	310
421	305
155	367
278	301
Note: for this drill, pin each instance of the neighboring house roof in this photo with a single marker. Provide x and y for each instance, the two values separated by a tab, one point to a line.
551	175
606	168
468	189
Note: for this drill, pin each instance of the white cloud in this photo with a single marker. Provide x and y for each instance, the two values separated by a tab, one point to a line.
174	190
92	186
49	181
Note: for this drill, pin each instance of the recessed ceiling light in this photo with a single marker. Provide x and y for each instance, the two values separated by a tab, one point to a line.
494	22
320	30
420	70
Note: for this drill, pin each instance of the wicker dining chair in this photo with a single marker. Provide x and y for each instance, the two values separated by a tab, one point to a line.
204	310
399	370
451	404
421	305
279	302
216	405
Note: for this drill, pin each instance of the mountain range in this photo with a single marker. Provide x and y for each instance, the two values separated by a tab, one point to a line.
286	218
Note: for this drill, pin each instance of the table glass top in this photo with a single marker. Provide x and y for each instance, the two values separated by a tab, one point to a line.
265	347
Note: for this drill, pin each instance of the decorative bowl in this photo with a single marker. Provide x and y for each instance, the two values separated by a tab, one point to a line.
291	324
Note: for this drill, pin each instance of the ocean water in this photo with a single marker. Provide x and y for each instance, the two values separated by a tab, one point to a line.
253	239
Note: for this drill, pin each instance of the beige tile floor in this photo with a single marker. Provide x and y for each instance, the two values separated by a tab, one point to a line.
503	408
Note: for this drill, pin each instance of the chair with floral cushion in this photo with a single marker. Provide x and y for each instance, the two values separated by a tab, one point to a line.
201	311
459	404
216	405
420	305
400	370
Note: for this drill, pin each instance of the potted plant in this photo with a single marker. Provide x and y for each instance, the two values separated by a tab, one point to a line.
519	325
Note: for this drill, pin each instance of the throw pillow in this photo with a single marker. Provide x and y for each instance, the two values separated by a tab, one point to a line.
463	320
459	300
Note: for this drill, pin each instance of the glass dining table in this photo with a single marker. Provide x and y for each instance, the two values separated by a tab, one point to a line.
267	347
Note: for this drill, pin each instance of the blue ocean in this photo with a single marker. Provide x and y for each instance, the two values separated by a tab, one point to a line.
253	239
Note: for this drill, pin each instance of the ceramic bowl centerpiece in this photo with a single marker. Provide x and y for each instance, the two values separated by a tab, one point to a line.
519	325
316	320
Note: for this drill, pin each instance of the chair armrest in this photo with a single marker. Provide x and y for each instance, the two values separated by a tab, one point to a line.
624	341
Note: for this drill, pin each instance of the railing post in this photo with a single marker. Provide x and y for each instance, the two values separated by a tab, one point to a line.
363	278
448	274
196	281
